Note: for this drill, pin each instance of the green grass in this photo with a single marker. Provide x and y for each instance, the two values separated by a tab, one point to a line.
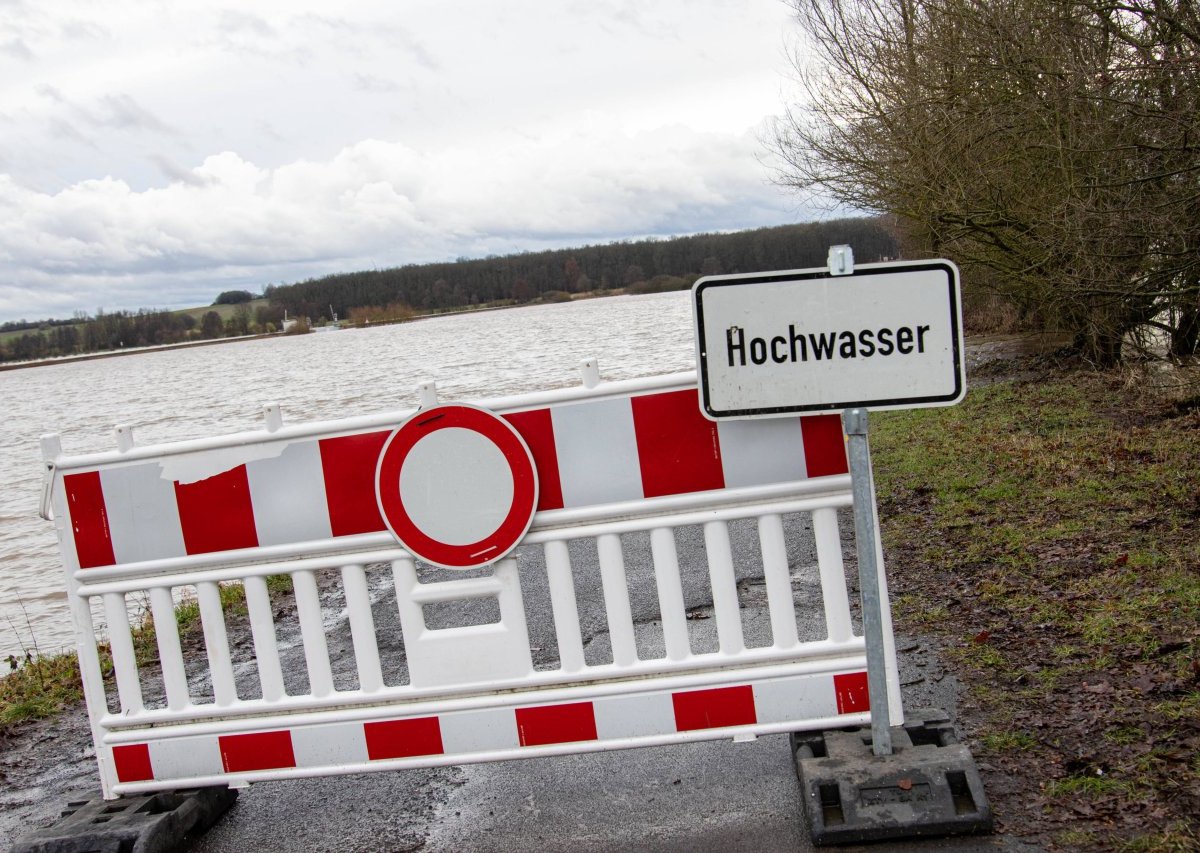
1075	838
233	602
1001	741
1092	786
1062	518
1032	479
1125	735
40	688
226	311
1187	708
1179	838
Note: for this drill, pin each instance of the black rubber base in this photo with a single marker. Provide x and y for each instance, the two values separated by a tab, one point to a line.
150	823
928	786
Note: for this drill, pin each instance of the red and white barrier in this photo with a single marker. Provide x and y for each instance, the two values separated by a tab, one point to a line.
587	454
618	466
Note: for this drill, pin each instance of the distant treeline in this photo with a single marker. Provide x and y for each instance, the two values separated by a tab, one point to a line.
640	266
34	325
125	329
401	292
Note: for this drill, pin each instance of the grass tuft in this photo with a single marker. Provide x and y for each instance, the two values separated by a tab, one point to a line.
40	688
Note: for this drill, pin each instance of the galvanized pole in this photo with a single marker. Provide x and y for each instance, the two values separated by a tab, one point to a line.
855	421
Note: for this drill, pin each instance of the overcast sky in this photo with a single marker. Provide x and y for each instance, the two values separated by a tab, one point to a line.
153	154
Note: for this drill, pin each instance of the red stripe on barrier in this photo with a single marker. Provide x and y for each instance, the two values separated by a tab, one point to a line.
714	709
348	464
403	738
538	431
678	448
824	445
216	513
568	723
89	520
257	751
852	693
132	763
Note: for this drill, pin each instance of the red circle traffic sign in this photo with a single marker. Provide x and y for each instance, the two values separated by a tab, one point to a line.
457	486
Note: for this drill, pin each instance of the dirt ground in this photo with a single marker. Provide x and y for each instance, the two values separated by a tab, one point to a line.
1078	642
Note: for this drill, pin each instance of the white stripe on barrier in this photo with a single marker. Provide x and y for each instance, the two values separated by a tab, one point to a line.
789	699
597	452
142	515
329	746
479	731
184	757
758	452
288	495
636	716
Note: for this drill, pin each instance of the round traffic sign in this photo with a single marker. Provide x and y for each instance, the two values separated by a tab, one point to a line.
457	486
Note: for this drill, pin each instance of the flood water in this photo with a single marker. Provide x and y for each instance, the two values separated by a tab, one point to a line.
203	391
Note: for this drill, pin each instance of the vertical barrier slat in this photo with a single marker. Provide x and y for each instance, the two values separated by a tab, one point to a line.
90	672
262	628
779	585
724	588
833	575
362	628
670	593
616	599
216	642
170	654
895	703
512	612
124	662
566	611
312	629
404	577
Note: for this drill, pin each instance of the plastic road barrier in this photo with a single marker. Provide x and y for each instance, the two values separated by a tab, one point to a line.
353	512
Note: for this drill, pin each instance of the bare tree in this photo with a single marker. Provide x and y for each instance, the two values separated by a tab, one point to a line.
1051	145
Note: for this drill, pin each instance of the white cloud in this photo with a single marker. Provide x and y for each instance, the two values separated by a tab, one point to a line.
159	153
374	200
17	48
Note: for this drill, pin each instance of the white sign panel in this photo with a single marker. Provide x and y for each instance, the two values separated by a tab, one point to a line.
887	336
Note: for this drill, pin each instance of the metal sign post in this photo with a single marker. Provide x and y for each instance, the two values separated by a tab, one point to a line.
882	336
855	422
